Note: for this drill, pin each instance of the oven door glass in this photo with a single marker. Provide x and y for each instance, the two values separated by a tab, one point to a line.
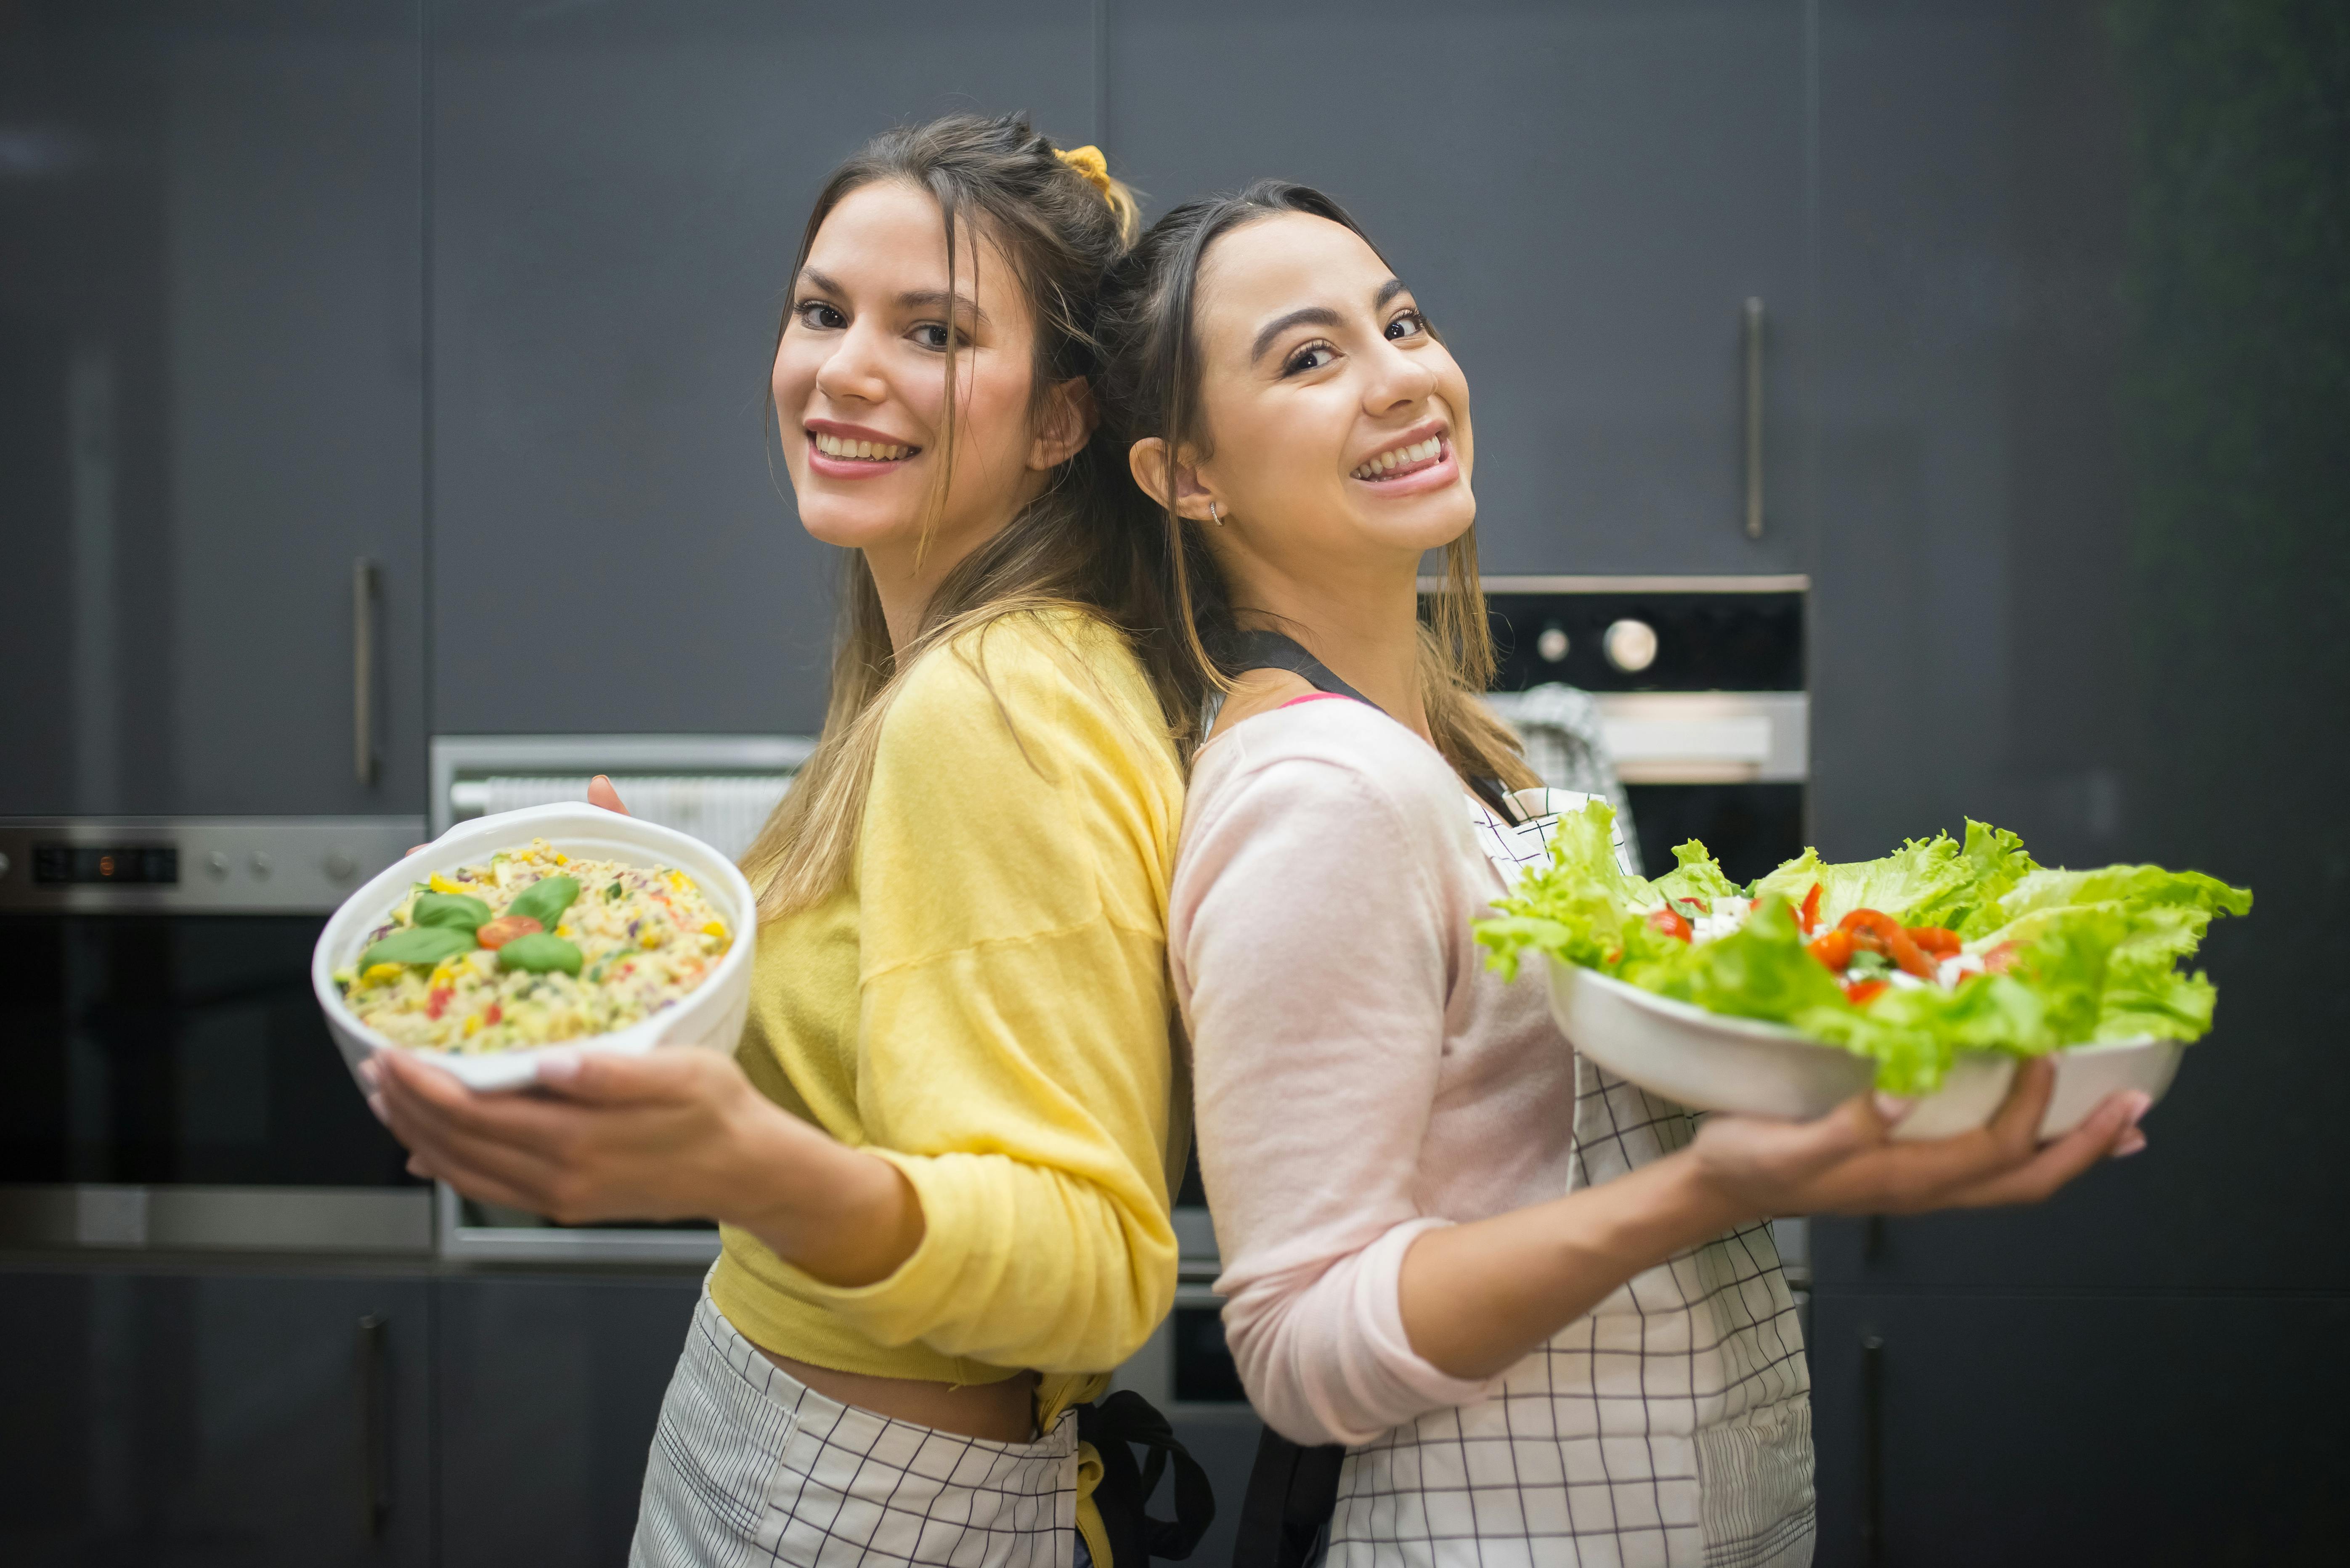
176	1049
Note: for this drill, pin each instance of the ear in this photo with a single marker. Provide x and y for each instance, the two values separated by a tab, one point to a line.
1146	459
1066	425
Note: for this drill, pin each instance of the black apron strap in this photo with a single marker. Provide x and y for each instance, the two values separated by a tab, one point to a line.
1126	1418
1292	1492
1273	651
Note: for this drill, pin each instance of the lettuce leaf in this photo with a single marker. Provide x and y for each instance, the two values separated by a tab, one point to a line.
2100	951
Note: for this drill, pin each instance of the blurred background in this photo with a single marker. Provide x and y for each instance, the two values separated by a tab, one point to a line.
1957	394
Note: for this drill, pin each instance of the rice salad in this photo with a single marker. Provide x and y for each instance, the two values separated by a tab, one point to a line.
533	948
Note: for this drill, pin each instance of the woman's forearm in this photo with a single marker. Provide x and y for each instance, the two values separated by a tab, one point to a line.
848	1216
1477	1298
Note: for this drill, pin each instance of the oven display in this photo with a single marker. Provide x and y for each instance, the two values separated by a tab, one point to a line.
62	865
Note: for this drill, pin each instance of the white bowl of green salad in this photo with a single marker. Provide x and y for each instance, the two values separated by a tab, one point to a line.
1931	974
560	926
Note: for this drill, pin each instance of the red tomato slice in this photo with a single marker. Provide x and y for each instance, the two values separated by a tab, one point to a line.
1834	949
1938	940
1672	924
1808	917
1862	992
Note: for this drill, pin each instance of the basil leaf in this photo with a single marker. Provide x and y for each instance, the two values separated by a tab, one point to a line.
540	953
546	899
419	944
457	911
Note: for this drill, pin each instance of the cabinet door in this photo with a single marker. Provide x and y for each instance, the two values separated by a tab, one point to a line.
169	1418
1582	195
211	407
2080	1428
618	194
548	1392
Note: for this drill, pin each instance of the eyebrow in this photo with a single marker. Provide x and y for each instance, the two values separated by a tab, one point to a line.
1314	315
913	300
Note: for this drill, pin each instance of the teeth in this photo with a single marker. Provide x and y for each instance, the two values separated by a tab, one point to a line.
1419	452
837	446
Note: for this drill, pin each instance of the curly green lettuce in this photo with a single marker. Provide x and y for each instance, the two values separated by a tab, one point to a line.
2098	951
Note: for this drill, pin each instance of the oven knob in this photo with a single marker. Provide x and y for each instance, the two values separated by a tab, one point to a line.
1631	645
340	866
217	863
3	865
1552	644
260	864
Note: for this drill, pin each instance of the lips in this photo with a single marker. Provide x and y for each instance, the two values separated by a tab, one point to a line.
838	451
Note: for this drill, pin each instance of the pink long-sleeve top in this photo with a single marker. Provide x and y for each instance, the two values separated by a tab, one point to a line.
1361	1076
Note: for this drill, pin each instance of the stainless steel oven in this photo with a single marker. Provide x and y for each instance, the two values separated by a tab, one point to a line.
166	1081
719	788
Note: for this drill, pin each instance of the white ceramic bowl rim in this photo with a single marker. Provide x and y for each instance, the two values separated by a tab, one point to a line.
555	822
1760	1029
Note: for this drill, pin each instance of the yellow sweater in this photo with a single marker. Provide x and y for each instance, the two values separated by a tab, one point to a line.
986	1007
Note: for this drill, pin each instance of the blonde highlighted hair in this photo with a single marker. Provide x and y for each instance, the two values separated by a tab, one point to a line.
1074	548
1151	381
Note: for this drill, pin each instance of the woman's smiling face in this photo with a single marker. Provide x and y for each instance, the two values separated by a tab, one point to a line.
859	383
1336	423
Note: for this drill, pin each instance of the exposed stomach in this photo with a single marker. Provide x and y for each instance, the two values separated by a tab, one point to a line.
1003	1412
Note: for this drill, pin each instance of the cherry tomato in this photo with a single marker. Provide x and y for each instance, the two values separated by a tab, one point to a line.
1808	917
437	1002
497	933
1834	949
1881	933
1936	940
2003	957
1864	992
1672	924
496	1015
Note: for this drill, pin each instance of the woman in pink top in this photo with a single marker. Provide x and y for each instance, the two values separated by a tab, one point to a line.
1539	1309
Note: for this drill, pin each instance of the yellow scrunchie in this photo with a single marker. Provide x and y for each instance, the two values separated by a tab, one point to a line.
1088	161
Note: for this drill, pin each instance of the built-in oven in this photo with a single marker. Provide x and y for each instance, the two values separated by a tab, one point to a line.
718	788
167	1081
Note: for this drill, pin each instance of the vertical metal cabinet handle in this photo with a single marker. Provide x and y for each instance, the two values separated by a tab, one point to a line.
375	1425
363	595
1872	1450
1753	346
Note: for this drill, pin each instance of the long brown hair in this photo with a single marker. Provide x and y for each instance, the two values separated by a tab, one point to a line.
1074	547
1150	383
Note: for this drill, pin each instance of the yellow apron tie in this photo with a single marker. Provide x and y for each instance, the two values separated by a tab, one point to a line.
1089	1519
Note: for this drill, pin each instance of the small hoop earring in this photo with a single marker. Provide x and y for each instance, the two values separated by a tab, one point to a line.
1213	517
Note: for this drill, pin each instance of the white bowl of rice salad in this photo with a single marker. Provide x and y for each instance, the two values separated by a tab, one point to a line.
557	927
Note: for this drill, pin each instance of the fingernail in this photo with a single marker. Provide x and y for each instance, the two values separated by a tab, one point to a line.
416	1166
558	1067
369	1074
1891	1108
2140	1102
2131	1143
375	1104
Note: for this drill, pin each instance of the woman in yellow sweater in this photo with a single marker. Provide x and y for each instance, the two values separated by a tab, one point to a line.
942	1160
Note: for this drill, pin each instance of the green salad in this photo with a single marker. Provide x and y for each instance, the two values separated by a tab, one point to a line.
1939	947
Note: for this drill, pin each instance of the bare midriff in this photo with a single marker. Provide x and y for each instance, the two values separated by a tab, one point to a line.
1001	1412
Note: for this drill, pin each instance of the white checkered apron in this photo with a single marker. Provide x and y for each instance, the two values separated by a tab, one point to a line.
1669	1426
750	1466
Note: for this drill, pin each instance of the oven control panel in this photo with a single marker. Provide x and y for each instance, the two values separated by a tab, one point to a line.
231	864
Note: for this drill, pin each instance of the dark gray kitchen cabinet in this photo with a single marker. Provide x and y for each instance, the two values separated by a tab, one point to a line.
211	408
548	1389
2022	1429
159	1418
1582	195
618	194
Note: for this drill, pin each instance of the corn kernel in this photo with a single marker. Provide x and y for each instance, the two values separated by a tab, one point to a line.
651	936
440	884
382	973
473	1024
561	858
714	929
